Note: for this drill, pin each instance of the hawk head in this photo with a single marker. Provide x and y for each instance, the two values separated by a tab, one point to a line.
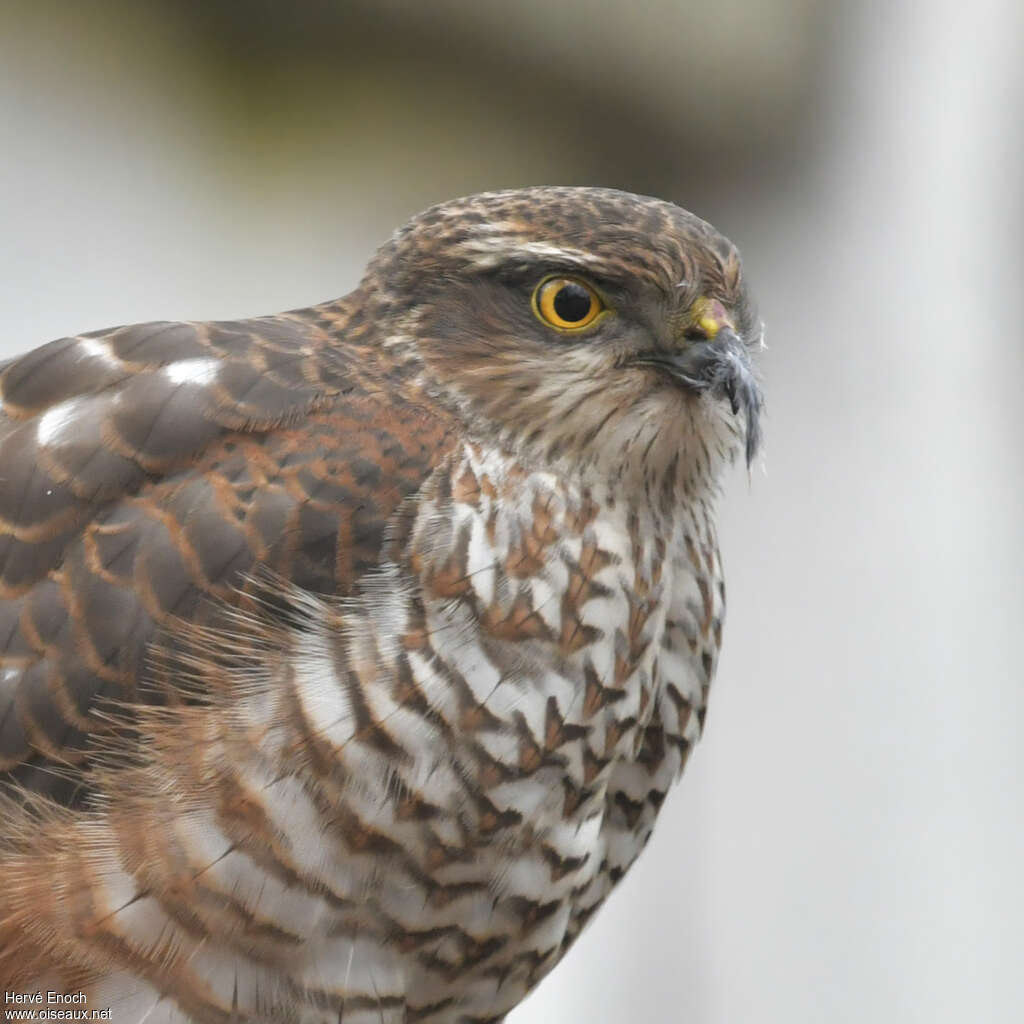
579	326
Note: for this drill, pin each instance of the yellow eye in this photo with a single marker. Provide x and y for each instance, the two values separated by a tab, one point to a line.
567	303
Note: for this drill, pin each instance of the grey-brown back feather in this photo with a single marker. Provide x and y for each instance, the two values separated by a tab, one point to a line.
145	471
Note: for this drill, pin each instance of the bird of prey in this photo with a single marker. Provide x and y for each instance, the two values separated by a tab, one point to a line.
347	655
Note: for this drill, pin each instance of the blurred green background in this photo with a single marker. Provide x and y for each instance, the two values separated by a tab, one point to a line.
846	844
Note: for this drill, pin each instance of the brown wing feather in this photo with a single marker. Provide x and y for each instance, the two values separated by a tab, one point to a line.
145	471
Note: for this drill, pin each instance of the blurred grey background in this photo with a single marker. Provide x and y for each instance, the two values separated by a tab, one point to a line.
847	843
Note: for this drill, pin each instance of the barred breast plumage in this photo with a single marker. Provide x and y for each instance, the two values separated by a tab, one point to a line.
348	655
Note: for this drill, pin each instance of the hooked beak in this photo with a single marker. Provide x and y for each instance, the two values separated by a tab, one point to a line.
720	367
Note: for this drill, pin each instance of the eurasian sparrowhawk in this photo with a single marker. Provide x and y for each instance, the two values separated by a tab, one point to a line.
347	655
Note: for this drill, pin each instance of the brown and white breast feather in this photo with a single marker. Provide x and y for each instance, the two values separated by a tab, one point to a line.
407	805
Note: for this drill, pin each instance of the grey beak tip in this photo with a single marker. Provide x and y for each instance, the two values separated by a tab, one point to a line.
720	367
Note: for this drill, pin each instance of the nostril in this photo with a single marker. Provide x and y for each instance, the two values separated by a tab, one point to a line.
695	333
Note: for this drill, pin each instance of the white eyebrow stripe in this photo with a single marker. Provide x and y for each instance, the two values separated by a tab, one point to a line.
556	252
489	250
192	371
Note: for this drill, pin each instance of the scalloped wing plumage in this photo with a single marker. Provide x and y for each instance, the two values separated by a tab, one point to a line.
146	470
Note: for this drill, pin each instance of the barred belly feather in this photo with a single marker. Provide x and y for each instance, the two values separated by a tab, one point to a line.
410	803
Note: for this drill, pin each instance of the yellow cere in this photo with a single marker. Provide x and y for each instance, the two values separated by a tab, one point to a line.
710	316
709	325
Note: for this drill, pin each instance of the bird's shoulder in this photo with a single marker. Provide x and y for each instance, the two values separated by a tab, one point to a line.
149	470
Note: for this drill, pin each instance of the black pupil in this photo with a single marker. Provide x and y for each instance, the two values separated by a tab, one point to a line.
572	303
